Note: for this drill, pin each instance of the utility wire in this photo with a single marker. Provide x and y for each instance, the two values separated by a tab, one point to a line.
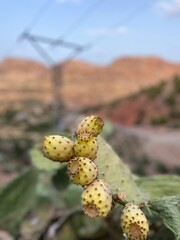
75	25
128	18
94	7
41	11
97	4
36	18
131	16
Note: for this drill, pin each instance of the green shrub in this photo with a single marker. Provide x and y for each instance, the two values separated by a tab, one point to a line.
161	168
159	120
138	121
40	127
176	125
177	84
9	115
140	117
176	170
154	91
170	100
175	113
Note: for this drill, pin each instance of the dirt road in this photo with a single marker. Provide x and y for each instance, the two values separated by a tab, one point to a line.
162	145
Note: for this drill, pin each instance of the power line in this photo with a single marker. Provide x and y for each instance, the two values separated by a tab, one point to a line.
75	25
128	18
35	19
36	41
131	16
38	15
97	4
94	7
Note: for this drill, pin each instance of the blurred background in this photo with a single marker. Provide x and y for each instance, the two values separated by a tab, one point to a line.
63	59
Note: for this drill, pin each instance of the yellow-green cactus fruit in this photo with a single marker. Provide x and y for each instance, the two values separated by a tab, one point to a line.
58	148
96	199
92	124
86	145
82	171
134	223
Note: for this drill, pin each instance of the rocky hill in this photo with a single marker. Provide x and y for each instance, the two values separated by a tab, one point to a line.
82	84
157	105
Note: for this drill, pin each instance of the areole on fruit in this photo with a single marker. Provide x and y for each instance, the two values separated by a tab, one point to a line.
134	223
91	124
58	148
82	171
96	199
86	145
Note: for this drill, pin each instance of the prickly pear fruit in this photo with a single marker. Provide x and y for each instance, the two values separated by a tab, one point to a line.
134	223
86	145
96	199
82	171
92	124
58	148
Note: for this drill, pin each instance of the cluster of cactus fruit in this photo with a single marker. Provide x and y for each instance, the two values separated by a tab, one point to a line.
96	199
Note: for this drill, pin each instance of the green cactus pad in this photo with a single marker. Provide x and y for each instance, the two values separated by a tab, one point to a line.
160	185
117	174
168	207
16	199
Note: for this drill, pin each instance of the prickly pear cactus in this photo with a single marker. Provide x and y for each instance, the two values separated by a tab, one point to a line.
115	183
117	174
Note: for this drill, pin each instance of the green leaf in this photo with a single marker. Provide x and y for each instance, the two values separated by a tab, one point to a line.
169	209
46	189
42	163
16	199
160	185
60	179
116	173
72	195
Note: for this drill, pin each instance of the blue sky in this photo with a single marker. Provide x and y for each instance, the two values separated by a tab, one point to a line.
115	28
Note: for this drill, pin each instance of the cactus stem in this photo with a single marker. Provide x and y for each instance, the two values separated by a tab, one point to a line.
120	198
